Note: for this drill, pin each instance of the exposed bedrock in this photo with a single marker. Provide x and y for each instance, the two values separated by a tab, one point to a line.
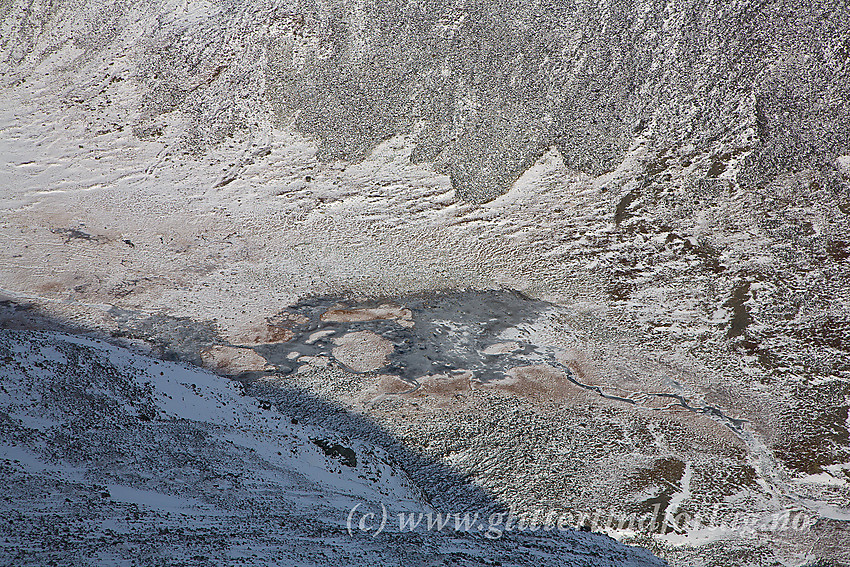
485	88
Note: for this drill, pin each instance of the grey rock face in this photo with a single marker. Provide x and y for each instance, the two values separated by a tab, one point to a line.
485	88
488	88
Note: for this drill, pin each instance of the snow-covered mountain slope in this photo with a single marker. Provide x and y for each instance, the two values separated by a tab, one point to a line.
667	183
112	458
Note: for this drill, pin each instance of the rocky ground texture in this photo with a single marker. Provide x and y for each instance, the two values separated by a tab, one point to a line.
667	185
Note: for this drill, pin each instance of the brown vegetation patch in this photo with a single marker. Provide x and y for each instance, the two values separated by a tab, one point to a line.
362	351
386	311
232	360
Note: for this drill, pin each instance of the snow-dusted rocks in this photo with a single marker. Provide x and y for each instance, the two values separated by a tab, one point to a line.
109	457
666	183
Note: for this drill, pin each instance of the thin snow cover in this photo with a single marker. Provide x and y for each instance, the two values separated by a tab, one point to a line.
223	161
130	457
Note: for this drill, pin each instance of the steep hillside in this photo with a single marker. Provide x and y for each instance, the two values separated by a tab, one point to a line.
113	458
666	185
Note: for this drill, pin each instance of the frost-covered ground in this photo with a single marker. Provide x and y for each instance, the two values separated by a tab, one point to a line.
667	184
110	457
